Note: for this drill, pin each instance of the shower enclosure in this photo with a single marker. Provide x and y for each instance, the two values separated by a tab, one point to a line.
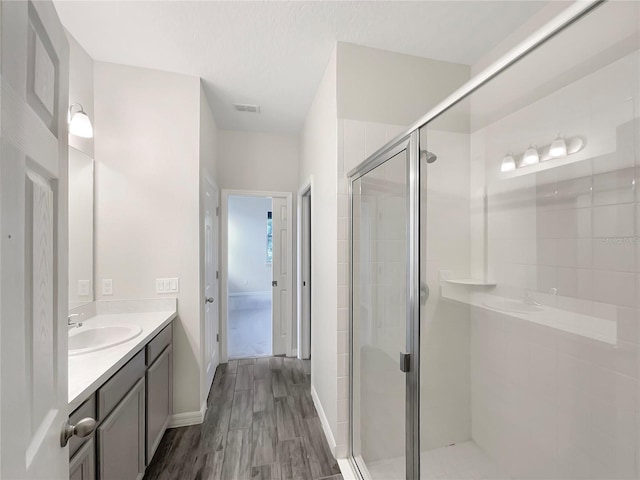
495	270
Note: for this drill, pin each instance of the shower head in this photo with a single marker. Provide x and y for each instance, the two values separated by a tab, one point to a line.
430	157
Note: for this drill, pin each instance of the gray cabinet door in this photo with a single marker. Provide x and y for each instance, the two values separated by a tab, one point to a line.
83	464
159	399
121	451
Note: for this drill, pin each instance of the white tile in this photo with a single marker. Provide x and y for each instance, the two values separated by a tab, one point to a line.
343	406
343	344
614	254
343	362
616	288
353	144
343	299
374	137
343	206
613	221
343	390
614	187
343	319
342	274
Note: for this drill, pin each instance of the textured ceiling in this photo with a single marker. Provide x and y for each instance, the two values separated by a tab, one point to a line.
274	53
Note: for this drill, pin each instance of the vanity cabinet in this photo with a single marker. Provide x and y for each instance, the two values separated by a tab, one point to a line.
121	438
132	410
83	464
159	379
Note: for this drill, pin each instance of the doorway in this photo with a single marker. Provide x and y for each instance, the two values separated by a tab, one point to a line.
304	272
257	274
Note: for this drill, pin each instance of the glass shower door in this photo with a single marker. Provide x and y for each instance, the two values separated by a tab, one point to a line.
381	318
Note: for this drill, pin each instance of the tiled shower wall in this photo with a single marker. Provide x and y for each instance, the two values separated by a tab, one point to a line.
547	403
356	141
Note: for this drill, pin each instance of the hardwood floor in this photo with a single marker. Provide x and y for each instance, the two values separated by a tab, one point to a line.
260	424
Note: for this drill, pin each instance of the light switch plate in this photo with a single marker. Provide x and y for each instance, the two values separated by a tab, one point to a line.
107	286
167	285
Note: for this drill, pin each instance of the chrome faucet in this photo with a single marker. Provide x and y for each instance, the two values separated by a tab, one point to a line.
529	299
72	323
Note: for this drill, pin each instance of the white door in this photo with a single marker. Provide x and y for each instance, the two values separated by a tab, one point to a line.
281	300
212	352
33	241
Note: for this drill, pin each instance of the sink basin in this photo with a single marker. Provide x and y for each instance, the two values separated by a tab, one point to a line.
512	306
89	339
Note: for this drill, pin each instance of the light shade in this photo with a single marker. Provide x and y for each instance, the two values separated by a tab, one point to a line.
508	164
79	122
530	156
558	148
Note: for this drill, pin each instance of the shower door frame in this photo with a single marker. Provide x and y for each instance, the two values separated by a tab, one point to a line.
409	139
408	143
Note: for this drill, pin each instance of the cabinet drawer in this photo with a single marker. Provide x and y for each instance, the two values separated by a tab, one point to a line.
117	386
87	409
156	346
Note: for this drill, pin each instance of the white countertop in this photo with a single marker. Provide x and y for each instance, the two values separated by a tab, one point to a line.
89	371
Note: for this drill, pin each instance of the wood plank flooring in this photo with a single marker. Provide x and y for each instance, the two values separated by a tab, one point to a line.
260	424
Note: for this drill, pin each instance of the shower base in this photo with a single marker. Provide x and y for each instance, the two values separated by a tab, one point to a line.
462	461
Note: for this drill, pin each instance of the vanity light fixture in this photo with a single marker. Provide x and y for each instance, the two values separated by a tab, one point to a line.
79	122
508	163
530	156
561	147
558	148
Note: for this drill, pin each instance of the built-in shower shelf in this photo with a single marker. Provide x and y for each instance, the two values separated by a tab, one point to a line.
472	282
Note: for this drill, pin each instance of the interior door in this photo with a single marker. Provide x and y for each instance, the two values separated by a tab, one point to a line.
211	300
305	324
33	243
384	441
281	275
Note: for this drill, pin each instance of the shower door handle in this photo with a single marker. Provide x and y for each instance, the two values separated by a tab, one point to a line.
405	362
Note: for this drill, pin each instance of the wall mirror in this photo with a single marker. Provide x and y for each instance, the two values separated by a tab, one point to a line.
81	181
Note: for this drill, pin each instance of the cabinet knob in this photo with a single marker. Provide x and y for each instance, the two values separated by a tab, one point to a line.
83	428
210	300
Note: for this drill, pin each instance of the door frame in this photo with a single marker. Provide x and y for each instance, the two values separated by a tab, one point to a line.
224	262
410	144
207	178
303	324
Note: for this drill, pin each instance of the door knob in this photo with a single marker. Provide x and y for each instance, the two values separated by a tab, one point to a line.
210	300
83	428
274	283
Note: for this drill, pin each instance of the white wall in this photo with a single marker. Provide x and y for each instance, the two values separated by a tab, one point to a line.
147	151
387	87
249	271
319	159
80	89
258	161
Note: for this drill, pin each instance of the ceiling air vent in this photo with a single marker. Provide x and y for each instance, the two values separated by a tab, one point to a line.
243	107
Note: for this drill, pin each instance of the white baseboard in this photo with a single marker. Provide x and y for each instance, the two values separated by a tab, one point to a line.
323	420
188	418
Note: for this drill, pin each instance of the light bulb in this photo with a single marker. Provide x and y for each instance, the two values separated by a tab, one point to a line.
80	125
558	148
508	164
530	156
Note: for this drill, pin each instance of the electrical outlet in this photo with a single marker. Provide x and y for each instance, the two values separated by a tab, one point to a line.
107	286
84	286
167	285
